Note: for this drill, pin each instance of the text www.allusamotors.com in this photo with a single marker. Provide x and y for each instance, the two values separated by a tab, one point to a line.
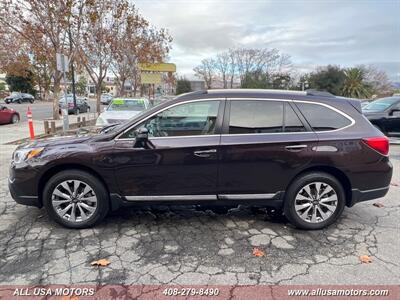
338	292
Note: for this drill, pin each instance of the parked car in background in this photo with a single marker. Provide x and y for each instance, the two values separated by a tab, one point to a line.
121	110
81	103
308	154
106	99
8	115
19	98
384	114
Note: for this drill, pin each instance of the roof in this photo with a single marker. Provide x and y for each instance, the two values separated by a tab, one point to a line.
258	93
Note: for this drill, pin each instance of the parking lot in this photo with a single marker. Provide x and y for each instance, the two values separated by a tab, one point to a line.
188	245
40	110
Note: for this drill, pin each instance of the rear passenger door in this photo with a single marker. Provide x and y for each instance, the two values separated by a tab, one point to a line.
264	144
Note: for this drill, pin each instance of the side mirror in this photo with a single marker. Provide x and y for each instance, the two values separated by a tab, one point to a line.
142	134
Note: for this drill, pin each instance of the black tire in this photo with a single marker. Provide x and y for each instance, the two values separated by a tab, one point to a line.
14	119
19	101
88	109
97	186
31	100
298	184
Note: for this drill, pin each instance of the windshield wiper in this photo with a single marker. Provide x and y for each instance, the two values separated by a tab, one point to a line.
108	128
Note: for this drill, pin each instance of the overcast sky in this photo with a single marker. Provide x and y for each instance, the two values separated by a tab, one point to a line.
312	32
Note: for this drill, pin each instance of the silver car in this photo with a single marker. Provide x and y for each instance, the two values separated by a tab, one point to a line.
121	110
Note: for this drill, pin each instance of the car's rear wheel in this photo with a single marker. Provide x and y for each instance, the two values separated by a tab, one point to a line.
75	199
14	119
31	100
19	101
314	201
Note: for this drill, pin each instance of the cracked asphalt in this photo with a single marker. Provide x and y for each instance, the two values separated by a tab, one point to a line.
187	245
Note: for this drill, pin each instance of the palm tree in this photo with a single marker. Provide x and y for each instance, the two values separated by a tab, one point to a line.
354	85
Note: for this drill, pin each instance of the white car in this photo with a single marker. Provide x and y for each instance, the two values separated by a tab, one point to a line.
121	110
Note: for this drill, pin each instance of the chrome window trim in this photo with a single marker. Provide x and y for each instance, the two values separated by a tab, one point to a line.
161	110
352	121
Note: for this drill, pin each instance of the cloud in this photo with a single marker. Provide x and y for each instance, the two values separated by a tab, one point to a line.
312	32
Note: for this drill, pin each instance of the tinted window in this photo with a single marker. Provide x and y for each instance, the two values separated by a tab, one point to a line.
195	118
292	121
255	117
322	118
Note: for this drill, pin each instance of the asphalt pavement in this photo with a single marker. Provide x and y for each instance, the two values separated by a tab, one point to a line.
188	245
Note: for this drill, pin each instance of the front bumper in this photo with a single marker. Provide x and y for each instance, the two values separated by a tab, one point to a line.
19	196
360	196
23	184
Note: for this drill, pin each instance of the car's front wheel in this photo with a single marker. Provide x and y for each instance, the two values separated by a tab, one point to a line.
75	199
314	200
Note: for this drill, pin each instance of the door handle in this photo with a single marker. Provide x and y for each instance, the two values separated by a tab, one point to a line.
204	153
295	147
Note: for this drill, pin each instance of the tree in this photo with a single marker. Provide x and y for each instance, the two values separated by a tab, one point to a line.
2	86
242	64
354	85
222	63
377	80
81	85
136	42
42	26
23	84
255	80
206	71
329	78
183	86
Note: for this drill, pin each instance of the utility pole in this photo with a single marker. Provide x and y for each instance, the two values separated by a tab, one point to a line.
72	67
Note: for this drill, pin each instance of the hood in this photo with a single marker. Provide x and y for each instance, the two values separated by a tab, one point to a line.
118	115
372	114
59	140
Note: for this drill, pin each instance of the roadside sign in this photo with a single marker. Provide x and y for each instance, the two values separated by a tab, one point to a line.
158	67
62	62
150	78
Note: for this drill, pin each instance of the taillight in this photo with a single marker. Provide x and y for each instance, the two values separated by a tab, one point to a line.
380	144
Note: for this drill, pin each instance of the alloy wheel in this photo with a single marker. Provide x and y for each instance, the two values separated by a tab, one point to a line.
316	202
74	200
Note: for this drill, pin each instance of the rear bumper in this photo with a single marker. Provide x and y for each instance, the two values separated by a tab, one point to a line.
365	195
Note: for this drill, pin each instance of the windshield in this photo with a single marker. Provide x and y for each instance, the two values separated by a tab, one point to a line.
380	104
127	105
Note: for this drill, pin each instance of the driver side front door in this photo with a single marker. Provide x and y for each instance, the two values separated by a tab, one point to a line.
181	161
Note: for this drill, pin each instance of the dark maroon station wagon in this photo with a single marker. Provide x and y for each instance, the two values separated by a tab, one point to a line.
308	154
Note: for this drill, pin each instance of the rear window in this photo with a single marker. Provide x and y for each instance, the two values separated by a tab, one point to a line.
322	118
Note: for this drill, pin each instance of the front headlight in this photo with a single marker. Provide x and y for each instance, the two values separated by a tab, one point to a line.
24	154
101	122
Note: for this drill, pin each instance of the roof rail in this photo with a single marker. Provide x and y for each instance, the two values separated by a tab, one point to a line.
312	92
